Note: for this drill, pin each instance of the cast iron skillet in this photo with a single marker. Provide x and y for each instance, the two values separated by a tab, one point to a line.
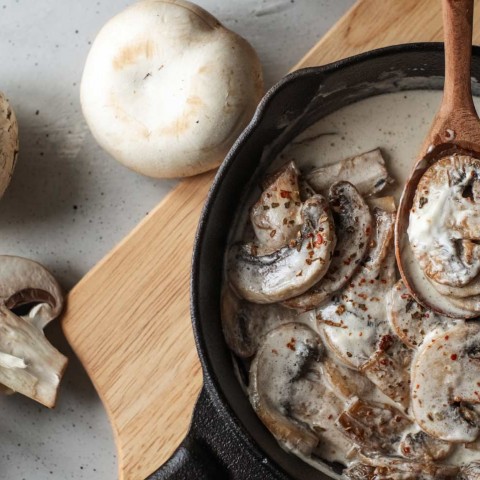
226	439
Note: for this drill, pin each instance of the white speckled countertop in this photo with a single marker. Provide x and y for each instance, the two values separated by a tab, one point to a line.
69	203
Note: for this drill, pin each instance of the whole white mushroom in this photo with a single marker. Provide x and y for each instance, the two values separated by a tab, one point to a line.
166	88
8	143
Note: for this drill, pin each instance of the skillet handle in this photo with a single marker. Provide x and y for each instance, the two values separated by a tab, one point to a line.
212	451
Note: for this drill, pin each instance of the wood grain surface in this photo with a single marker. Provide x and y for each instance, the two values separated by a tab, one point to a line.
128	318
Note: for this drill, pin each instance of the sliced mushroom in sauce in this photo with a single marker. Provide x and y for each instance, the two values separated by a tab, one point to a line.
446	384
286	355
291	270
245	324
276	216
366	171
353	229
409	320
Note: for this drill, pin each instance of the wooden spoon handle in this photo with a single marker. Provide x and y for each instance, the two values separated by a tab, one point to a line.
456	121
457	24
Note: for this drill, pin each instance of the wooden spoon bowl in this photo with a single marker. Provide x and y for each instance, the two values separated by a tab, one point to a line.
455	130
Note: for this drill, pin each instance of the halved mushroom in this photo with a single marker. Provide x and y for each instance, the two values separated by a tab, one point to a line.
470	472
23	282
421	446
446	384
366	171
8	143
354	321
284	358
291	270
373	427
409	320
29	364
391	468
245	324
353	229
276	217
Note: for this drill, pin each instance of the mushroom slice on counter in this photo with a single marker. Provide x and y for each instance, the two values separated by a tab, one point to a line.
355	324
291	270
286	355
421	446
29	364
470	472
245	324
446	384
391	468
444	229
8	143
373	427
276	217
353	228
409	320
366	171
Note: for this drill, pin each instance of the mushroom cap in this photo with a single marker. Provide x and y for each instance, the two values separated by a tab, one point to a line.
166	88
8	143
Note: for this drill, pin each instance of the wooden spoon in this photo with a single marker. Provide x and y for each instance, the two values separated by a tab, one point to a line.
455	129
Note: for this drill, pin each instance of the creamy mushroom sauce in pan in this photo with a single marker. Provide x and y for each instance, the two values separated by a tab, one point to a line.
341	364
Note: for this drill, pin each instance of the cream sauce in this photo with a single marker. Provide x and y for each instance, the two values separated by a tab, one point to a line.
398	124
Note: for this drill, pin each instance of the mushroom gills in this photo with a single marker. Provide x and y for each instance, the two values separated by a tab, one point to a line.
445	384
366	171
353	229
23	282
284	358
291	270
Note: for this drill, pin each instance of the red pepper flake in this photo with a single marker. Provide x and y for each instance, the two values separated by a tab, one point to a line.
453	356
291	344
285	193
385	343
318	239
273	233
446	337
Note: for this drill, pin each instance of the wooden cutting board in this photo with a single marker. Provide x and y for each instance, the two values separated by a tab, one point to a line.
128	318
